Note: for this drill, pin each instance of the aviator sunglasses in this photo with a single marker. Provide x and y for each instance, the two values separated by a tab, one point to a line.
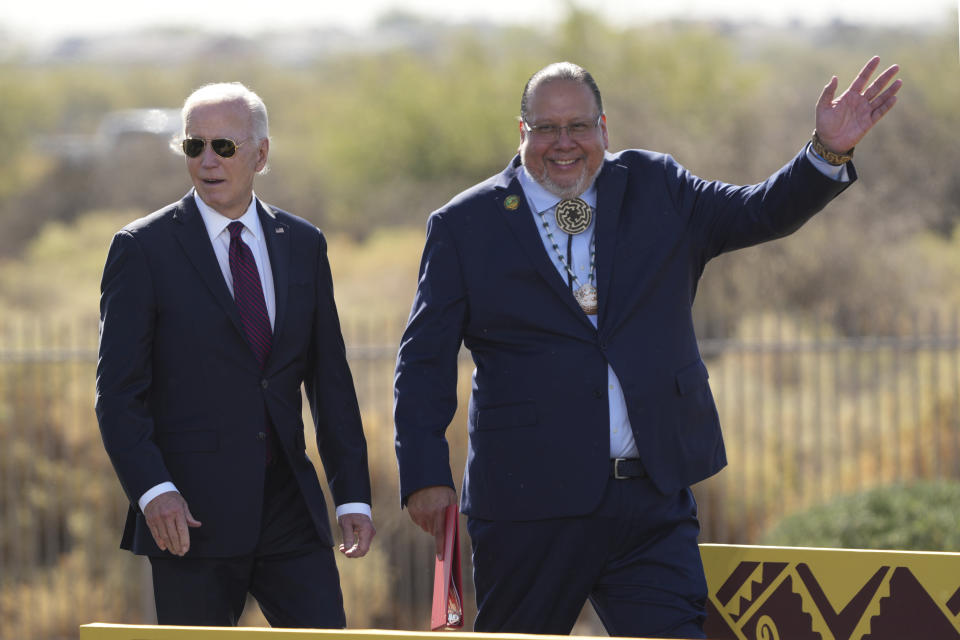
223	147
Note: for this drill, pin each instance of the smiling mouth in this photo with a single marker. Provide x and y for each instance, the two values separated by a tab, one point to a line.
565	163
212	180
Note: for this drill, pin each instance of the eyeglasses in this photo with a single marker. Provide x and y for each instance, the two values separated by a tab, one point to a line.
551	132
223	147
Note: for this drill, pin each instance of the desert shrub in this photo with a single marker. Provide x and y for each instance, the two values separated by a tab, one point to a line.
924	516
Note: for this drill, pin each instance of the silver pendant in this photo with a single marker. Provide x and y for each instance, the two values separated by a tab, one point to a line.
573	216
586	297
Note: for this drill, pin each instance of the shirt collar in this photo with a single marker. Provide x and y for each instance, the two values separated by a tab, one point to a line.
543	200
216	222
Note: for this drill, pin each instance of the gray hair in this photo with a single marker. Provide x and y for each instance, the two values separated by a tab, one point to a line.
559	71
226	92
222	92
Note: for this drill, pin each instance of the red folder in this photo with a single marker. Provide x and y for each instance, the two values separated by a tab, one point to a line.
447	580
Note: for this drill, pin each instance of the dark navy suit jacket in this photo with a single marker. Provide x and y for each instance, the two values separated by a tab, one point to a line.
182	398
538	415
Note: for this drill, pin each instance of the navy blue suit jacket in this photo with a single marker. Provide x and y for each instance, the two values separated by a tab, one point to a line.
538	414
182	398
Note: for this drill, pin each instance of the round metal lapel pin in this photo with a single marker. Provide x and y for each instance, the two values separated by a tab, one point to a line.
511	203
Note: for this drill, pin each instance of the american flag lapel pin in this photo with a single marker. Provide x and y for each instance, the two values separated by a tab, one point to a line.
279	230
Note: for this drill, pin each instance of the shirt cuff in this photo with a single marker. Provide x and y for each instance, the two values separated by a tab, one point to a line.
832	171
163	487
354	507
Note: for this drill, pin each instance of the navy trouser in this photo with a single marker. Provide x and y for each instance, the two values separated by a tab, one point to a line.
292	575
635	558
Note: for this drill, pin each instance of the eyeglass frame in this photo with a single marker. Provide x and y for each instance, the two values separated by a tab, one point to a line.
236	145
532	129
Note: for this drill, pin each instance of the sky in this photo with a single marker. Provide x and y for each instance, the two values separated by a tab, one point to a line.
45	19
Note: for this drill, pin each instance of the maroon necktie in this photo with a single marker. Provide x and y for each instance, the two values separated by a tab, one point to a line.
248	294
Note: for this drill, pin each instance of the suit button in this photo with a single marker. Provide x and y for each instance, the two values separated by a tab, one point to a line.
598	393
264	383
603	346
261	435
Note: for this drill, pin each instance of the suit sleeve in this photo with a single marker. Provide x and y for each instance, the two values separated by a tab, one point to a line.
124	372
333	398
425	385
726	217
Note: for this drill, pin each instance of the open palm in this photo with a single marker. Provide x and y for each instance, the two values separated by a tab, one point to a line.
842	122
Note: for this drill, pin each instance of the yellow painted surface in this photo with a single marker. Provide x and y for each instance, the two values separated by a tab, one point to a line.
840	573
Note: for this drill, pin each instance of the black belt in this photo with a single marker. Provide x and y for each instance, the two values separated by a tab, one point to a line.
623	468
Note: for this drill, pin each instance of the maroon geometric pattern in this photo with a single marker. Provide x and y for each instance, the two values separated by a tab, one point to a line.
909	612
786	600
953	604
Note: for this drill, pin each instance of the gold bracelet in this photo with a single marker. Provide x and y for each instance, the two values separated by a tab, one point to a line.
836	159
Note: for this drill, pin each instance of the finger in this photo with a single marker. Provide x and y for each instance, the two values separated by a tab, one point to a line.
439	540
828	93
881	110
191	521
365	533
366	539
889	93
171	535
349	540
158	537
861	80
439	527
882	81
183	534
426	520
882	104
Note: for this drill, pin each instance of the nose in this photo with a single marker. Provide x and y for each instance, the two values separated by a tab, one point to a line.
563	138
209	158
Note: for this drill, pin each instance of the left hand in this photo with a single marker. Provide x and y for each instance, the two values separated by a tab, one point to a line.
358	533
844	121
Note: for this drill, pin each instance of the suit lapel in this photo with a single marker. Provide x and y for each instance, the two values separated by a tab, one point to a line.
277	235
520	220
611	186
192	235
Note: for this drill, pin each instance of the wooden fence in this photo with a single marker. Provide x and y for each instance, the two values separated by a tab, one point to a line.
808	415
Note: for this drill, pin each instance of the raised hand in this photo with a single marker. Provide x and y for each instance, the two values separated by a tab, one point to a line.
842	122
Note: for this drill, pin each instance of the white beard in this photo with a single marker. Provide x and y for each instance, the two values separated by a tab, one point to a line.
564	193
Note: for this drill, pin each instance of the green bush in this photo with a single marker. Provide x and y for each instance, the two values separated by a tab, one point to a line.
916	517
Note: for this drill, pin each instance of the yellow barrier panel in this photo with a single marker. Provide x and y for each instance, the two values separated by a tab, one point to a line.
776	593
755	593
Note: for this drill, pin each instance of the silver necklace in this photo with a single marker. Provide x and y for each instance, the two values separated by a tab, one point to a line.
585	294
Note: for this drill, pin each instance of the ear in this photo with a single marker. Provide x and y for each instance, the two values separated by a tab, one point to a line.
263	150
603	129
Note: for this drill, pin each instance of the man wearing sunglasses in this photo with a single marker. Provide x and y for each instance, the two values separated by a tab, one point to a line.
215	310
570	277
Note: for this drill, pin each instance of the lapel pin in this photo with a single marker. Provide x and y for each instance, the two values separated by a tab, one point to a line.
279	229
511	203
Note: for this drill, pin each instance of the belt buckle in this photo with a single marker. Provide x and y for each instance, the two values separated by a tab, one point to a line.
616	469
